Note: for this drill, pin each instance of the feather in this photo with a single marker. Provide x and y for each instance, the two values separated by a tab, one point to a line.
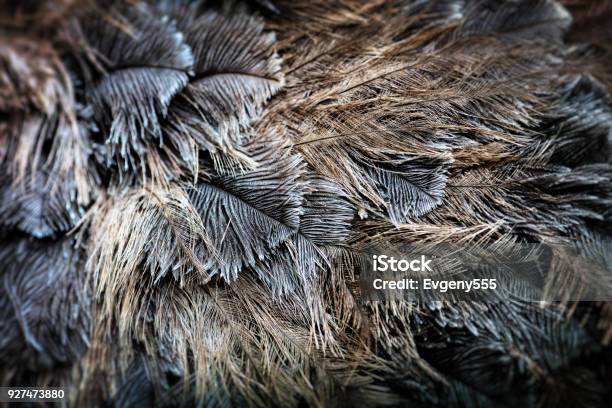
42	18
590	22
151	227
267	4
136	390
49	179
521	20
529	356
327	215
232	322
307	252
360	94
580	124
236	71
29	78
30	209
42	331
476	197
245	223
132	96
49	133
410	185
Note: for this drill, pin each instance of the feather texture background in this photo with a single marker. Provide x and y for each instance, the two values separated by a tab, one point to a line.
186	187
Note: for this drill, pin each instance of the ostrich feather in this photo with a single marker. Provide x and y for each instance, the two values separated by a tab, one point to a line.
42	331
560	213
541	19
308	250
158	229
337	104
410	185
580	123
236	72
28	78
590	22
246	323
48	178
243	223
29	209
136	87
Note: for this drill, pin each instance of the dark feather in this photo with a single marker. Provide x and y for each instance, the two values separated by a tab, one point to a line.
134	91
46	303
236	72
540	20
308	252
245	224
409	185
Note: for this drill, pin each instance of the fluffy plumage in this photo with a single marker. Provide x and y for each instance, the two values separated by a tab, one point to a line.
186	188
